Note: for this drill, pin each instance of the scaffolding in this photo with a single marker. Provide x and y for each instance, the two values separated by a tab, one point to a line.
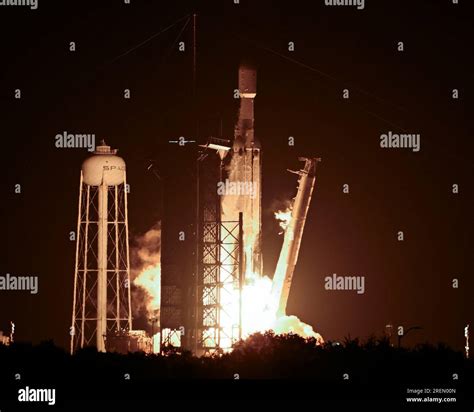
219	253
101	305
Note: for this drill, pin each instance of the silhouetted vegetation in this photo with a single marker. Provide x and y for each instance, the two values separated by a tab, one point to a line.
265	356
261	356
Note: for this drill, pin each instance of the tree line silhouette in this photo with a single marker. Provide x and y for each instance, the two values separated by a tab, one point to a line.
262	356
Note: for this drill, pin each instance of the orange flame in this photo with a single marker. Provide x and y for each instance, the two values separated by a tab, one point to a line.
150	280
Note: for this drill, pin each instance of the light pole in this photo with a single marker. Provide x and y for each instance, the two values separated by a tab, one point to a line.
466	335
153	321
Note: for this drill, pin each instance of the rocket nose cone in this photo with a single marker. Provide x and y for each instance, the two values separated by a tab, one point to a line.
247	80
247	64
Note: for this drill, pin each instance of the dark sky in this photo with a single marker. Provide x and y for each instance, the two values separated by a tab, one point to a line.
299	94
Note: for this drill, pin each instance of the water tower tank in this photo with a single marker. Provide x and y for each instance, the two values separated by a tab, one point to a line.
103	167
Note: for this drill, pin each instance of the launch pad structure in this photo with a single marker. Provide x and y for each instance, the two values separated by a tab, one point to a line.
205	309
219	252
229	231
228	228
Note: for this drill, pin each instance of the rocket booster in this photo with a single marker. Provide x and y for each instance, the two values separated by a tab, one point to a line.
244	129
293	234
245	168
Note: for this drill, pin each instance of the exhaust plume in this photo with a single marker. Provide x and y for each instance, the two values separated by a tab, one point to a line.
147	275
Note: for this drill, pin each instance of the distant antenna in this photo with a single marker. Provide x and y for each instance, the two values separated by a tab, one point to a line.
194	54
466	335
195	78
12	331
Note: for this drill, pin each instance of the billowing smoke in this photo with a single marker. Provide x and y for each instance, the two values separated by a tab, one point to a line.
283	217
146	261
291	324
233	205
244	169
259	313
285	323
283	213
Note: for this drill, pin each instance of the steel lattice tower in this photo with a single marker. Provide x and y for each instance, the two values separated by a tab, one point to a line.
102	300
219	270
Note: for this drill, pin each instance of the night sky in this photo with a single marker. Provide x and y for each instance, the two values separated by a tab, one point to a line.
300	94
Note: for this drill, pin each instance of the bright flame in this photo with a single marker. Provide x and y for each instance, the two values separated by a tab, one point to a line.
253	307
260	308
150	280
147	258
259	314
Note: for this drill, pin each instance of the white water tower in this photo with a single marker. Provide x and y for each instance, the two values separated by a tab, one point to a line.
102	301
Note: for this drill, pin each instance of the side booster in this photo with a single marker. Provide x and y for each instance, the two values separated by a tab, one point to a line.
293	234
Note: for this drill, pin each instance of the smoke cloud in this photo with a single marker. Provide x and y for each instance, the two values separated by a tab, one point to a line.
291	324
146	273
